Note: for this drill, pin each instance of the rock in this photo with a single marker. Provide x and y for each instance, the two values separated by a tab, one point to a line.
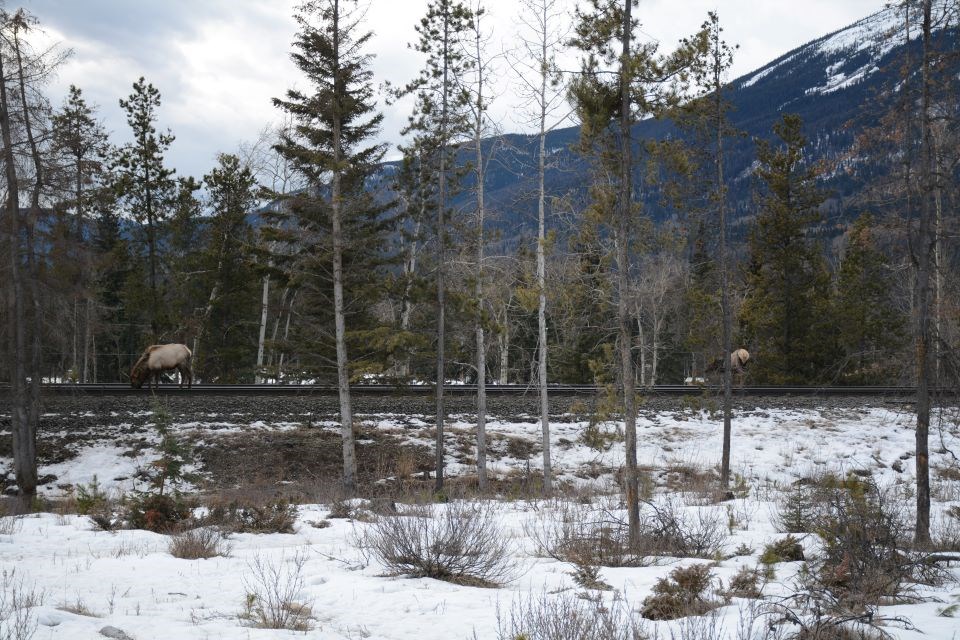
897	466
113	632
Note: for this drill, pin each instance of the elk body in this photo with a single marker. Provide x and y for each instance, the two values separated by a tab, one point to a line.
159	358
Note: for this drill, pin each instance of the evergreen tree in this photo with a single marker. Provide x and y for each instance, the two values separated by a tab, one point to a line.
84	145
869	325
785	316
608	105
225	335
332	137
147	188
440	116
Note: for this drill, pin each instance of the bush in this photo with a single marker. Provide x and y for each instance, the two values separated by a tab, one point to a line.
566	616
864	532
746	583
91	499
582	534
685	592
201	543
786	549
156	512
17	601
278	516
588	535
460	542
796	510
272	588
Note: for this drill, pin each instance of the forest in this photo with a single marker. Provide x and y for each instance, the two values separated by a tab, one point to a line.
120	251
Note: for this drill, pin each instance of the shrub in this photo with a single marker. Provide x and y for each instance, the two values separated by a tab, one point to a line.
864	532
685	592
746	583
668	530
460	542
566	616
796	510
786	549
156	512
17	601
90	498
277	516
272	588
201	543
582	534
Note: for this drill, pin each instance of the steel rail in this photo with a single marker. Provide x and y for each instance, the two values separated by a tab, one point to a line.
119	389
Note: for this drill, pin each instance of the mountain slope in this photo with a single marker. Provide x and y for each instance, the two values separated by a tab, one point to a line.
831	82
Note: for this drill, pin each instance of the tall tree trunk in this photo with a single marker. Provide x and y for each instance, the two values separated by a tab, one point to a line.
623	284
23	431
481	361
924	246
724	283
262	336
336	213
542	269
409	273
503	341
442	253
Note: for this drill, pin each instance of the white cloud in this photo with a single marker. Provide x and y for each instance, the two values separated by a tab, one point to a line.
217	63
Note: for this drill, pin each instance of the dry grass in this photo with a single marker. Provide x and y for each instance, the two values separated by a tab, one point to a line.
17	602
566	616
199	544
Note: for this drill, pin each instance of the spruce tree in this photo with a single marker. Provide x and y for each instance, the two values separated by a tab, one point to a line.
147	187
225	337
331	146
786	314
440	116
83	143
869	325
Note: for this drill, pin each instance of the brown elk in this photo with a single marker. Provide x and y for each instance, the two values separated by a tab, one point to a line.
738	362
159	358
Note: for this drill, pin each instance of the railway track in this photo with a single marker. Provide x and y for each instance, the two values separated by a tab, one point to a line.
467	389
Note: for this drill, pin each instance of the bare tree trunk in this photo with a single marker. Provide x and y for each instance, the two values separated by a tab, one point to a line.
724	286
627	376
923	334
409	272
503	341
442	255
542	269
261	338
286	333
481	361
23	430
642	340
655	349
87	339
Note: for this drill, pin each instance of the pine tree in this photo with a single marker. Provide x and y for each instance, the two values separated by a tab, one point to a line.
146	186
870	327
643	84
440	116
226	324
83	142
332	136
785	316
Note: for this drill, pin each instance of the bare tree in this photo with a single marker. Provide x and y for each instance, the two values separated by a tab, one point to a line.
539	80
474	83
24	113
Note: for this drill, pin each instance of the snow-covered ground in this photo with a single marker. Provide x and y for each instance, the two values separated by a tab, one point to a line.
91	579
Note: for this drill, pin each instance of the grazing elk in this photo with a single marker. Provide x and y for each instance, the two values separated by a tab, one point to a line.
159	358
738	362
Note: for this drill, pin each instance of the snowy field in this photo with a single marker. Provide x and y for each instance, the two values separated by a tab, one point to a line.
87	579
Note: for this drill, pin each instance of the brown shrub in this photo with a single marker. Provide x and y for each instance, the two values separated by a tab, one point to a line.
685	592
201	543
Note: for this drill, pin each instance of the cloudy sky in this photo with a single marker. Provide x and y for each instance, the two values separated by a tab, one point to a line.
217	63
